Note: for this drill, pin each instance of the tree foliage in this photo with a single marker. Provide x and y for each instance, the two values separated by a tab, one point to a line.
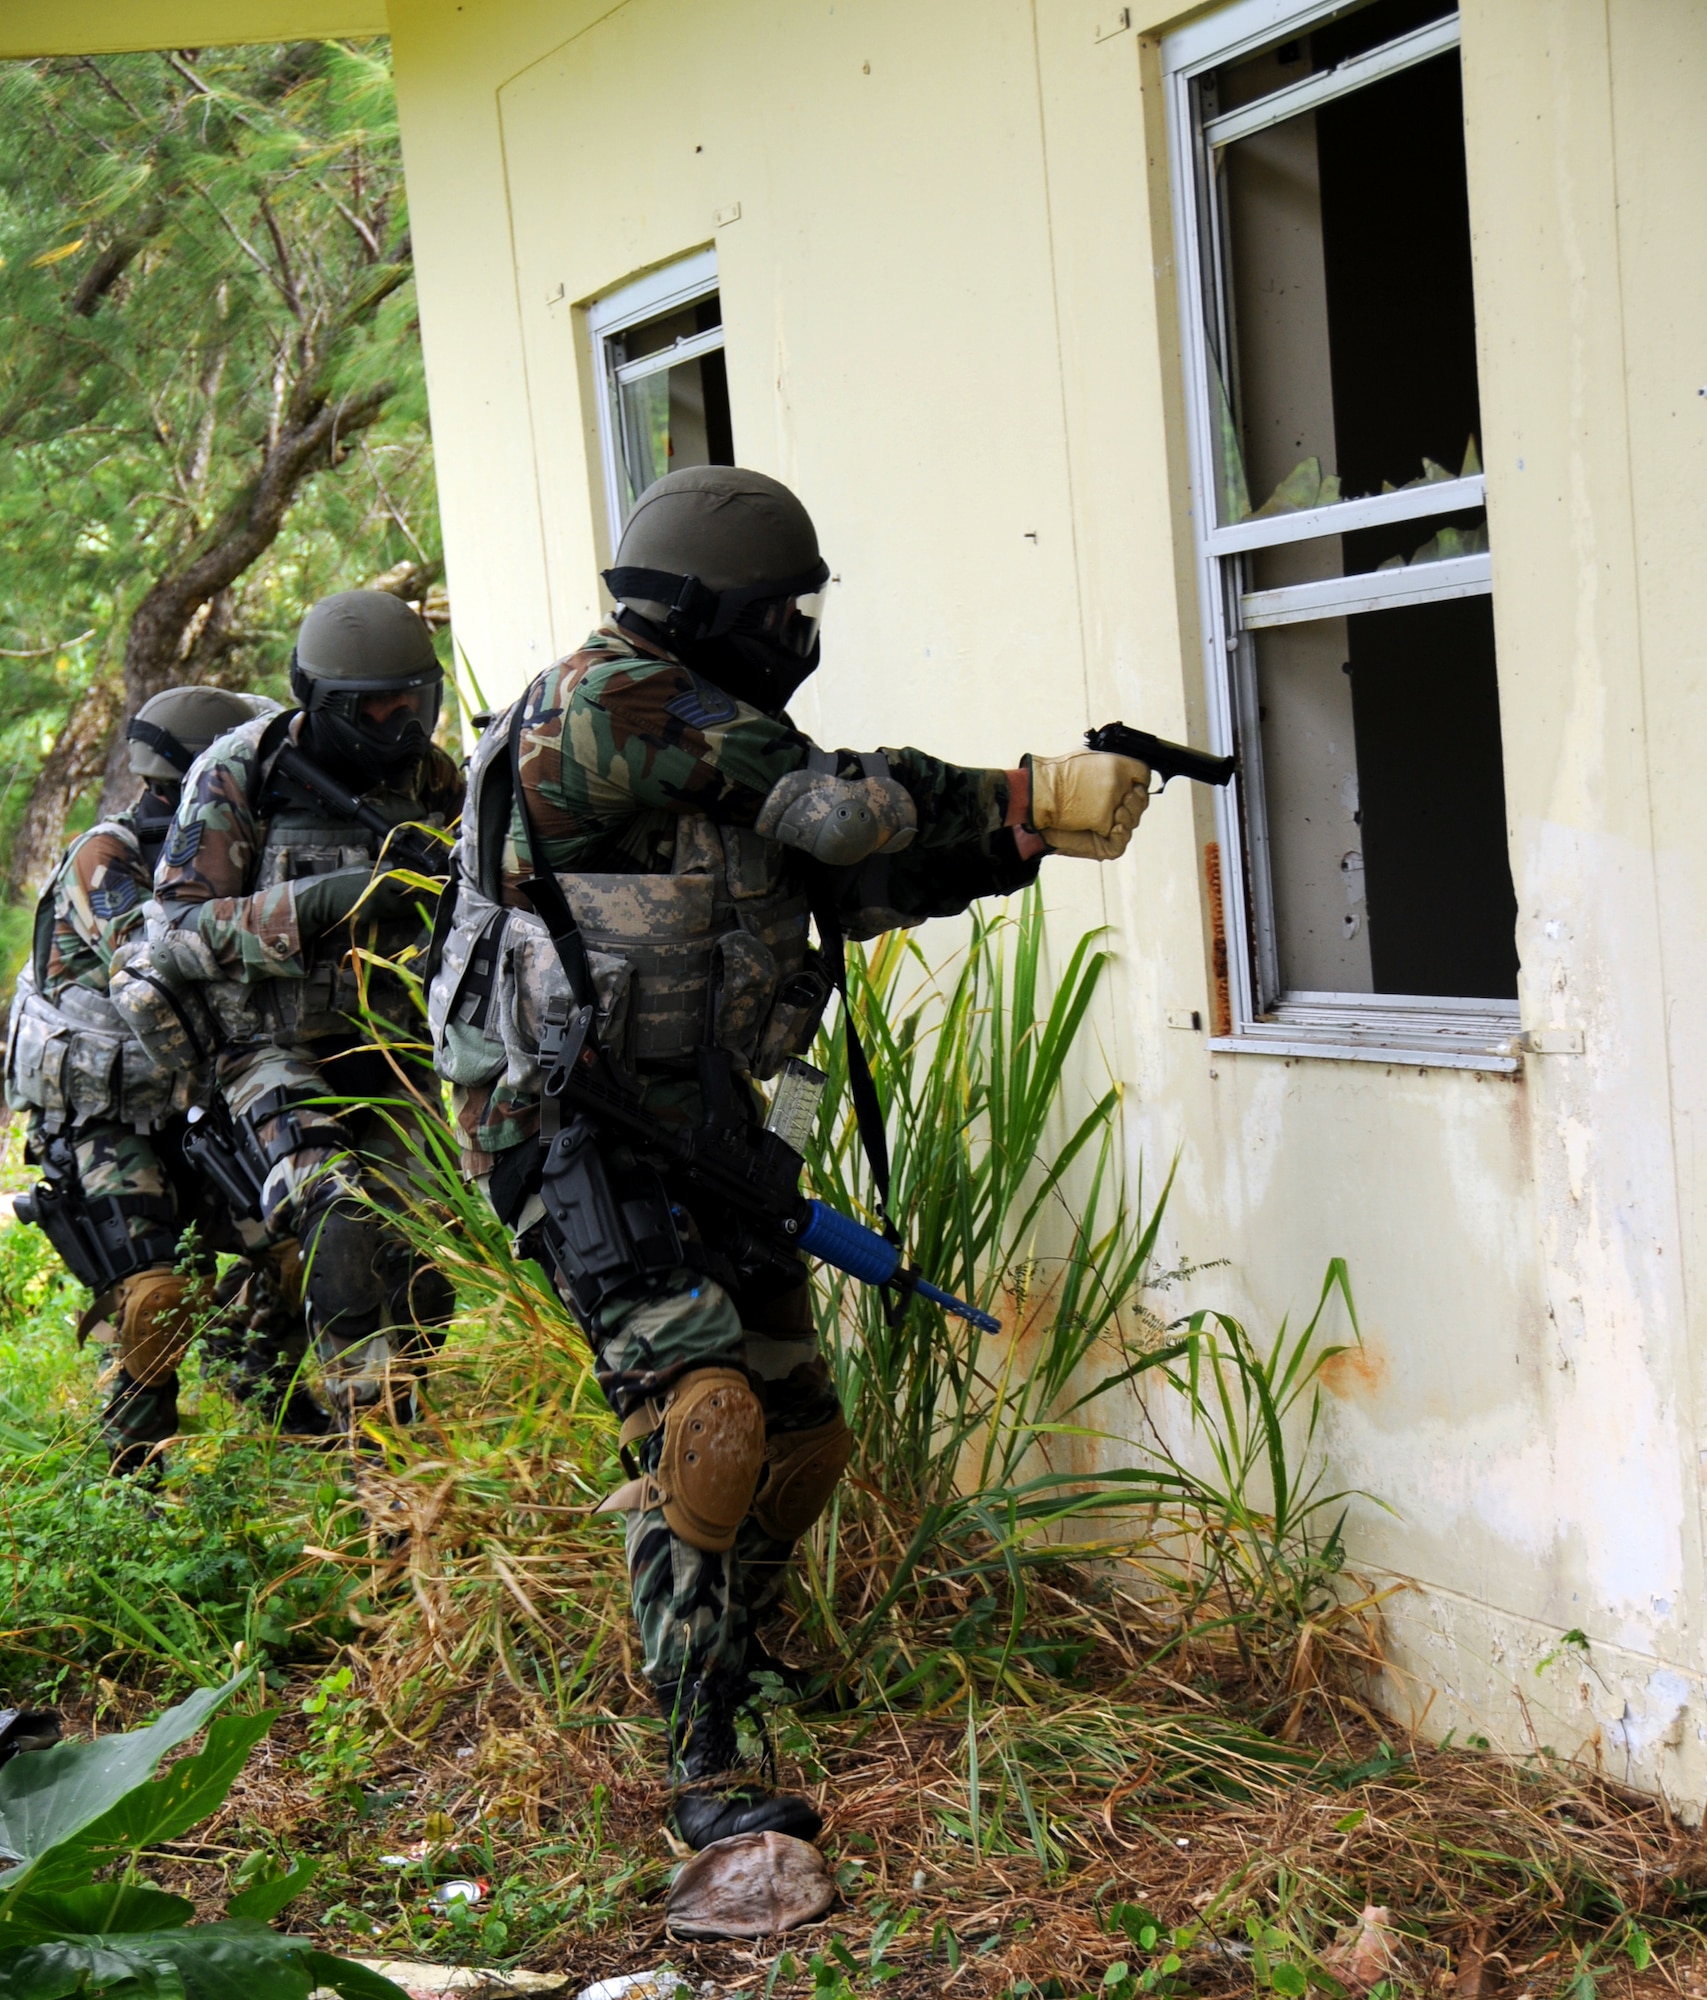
211	399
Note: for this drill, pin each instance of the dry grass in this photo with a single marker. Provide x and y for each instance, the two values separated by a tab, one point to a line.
1144	1789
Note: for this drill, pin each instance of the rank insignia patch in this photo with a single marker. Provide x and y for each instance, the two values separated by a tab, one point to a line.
113	899
703	706
181	843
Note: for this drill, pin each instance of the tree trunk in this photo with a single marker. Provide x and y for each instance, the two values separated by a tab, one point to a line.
73	764
182	611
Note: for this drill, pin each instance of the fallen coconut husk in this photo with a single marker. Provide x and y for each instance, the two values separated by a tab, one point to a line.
752	1885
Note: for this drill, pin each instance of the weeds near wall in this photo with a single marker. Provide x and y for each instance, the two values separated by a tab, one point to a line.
1091	1661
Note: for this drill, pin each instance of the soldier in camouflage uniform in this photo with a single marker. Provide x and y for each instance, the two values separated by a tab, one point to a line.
265	892
107	1123
693	828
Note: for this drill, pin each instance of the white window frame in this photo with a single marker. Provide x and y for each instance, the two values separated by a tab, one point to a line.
1368	1027
658	292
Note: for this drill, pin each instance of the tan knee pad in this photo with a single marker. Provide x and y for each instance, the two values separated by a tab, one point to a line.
801	1472
154	1317
709	1466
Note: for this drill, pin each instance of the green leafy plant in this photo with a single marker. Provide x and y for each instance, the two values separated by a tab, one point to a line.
1006	1198
77	1918
340	1743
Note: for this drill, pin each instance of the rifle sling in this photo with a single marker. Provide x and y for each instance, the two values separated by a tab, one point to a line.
545	893
862	1086
542	888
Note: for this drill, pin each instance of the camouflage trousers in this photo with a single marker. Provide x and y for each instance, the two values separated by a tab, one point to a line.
254	1322
117	1161
695	1609
371	1299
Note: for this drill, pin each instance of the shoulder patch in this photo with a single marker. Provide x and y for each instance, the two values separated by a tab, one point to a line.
703	705
113	898
182	842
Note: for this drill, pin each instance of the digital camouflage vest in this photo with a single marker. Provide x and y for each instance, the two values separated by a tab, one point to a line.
69	1055
713	952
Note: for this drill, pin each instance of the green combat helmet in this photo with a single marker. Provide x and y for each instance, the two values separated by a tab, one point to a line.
165	737
723	565
171	730
365	671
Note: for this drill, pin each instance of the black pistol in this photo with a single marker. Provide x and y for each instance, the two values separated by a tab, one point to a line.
1167	760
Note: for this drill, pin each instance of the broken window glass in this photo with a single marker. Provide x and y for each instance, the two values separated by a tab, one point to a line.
1385	800
1332	309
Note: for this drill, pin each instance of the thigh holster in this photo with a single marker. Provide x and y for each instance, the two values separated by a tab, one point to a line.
96	1238
607	1225
801	1473
709	1464
299	1125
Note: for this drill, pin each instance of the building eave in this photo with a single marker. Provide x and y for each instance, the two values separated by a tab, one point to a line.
95	27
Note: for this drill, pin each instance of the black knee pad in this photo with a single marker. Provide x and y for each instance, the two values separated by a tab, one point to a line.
343	1249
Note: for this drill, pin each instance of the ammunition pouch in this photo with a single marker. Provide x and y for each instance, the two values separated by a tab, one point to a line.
74	1058
302	843
709	1465
801	1472
171	1018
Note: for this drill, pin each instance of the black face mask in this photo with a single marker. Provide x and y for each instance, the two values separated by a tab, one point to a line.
358	750
748	665
152	817
752	669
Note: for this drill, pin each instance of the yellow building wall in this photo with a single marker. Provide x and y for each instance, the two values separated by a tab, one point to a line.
951	325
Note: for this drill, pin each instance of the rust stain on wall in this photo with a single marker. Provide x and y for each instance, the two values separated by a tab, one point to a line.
1358	1374
1221	1000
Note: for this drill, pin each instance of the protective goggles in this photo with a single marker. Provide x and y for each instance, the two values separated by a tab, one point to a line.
789	623
371	700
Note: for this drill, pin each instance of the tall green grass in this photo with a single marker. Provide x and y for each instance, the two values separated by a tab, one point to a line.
980	1458
983	1462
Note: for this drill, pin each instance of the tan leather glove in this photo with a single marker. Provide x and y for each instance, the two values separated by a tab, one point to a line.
1088	803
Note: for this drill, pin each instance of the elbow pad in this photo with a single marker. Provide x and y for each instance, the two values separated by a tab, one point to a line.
839	821
175	947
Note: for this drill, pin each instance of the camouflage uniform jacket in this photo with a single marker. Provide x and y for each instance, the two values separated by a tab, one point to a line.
620	742
636	768
69	1058
221	855
93	903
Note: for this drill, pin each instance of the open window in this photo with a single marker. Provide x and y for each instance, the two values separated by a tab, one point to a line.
663	391
1324	252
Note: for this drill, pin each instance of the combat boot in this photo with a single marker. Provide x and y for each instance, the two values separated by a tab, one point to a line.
712	1799
138	1419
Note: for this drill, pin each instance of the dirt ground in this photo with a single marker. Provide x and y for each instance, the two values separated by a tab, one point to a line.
1497	1879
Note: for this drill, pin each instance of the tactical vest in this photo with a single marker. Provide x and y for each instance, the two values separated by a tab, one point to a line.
714	953
72	1058
301	842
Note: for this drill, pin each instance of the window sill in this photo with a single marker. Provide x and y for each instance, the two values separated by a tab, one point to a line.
1403	1030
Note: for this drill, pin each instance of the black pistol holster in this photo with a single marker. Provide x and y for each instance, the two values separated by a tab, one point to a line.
93	1236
